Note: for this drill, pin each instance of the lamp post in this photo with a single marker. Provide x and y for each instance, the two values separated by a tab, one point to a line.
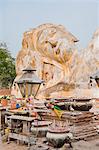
97	80
96	77
29	83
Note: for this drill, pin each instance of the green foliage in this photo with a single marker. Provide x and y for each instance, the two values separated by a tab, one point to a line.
7	67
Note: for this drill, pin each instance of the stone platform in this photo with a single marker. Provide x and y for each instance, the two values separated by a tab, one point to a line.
83	125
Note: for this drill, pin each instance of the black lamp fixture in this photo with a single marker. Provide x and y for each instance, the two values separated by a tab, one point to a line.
29	83
95	77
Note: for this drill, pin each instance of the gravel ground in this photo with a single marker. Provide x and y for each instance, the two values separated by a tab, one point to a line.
80	145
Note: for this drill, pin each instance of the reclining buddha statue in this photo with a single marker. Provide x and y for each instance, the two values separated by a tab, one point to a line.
53	51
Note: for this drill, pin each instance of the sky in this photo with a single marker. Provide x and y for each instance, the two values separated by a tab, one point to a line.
80	17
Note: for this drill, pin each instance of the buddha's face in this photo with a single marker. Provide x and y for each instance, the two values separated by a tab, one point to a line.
55	43
52	41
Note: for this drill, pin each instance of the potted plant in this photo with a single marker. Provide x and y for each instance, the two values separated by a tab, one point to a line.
4	101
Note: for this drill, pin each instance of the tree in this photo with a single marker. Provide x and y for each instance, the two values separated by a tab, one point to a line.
7	66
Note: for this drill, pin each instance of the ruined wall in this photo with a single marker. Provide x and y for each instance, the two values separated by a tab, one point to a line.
88	62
